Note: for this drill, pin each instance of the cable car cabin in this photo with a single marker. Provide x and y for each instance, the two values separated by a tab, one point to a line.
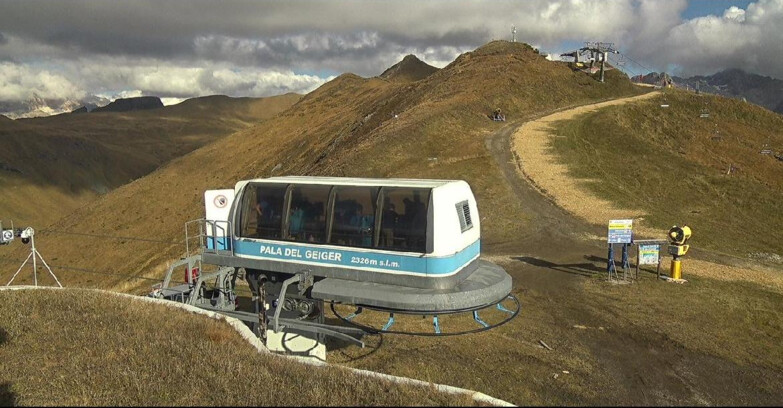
393	244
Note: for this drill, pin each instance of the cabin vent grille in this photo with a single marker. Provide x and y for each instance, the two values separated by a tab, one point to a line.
463	213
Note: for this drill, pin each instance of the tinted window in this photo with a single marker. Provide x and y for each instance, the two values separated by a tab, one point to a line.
353	221
404	219
307	213
262	210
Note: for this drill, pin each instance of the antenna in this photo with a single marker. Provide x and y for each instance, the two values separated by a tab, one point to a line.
513	33
29	234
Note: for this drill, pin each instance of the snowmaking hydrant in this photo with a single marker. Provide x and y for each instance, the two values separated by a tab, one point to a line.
678	238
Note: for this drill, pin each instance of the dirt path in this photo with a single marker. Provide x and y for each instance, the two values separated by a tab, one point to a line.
553	267
609	344
530	144
568	206
550	219
555	241
558	239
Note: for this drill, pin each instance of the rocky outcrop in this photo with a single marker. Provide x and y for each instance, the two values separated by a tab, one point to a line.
132	104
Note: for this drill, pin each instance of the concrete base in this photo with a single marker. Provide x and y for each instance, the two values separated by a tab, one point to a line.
668	279
619	282
296	344
488	284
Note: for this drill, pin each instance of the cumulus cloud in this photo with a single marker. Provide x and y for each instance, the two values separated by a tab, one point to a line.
345	36
186	48
23	82
749	39
108	78
734	13
158	78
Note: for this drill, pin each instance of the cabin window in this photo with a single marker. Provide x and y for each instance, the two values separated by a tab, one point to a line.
404	219
262	213
307	213
353	221
463	213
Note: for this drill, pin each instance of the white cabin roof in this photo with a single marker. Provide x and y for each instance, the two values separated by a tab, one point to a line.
355	181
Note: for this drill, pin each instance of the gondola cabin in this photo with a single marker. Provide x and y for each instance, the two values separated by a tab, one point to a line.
393	244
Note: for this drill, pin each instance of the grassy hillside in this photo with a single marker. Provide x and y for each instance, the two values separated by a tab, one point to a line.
347	127
673	164
410	69
710	342
50	166
76	347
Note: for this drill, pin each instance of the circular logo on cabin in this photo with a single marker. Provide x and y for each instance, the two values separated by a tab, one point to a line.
220	201
8	235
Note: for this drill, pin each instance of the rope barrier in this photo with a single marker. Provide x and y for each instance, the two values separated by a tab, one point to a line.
110	236
238	289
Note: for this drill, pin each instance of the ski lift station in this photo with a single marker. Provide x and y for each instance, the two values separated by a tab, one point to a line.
382	246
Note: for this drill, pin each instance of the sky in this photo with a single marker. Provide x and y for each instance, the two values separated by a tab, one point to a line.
96	50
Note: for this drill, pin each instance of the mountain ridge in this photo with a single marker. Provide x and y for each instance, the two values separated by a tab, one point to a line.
131	104
410	69
761	90
66	160
350	126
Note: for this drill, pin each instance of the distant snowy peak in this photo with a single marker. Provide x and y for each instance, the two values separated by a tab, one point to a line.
37	107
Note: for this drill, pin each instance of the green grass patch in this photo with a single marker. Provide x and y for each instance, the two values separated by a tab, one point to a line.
673	164
737	321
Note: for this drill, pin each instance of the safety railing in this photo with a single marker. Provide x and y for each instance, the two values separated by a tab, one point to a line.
202	235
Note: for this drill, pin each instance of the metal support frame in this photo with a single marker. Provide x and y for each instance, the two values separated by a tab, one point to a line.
611	266
33	253
223	299
478	319
626	265
192	291
349	319
354	314
281	300
389	324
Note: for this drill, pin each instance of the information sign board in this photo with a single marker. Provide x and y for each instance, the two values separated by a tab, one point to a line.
649	254
620	231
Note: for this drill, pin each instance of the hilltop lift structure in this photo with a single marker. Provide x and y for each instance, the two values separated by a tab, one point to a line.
592	53
366	247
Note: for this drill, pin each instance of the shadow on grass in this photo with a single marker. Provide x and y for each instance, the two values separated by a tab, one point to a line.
334	344
7	397
582	269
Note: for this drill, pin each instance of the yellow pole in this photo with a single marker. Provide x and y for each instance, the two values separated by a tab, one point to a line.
676	269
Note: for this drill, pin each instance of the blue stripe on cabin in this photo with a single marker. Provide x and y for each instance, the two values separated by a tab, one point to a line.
419	264
222	243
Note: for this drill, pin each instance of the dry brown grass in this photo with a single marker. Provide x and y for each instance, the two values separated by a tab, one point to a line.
665	166
707	342
76	347
51	166
344	128
767	277
538	163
